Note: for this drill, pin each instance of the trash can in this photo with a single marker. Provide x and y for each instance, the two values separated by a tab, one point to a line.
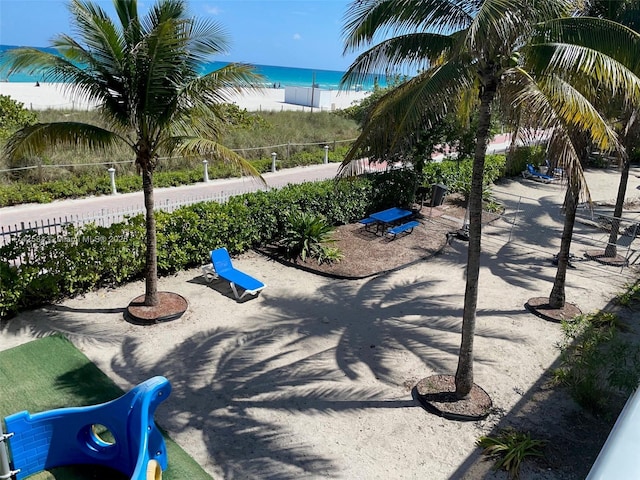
437	194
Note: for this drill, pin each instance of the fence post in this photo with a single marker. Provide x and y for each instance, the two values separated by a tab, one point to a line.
273	161
205	164
326	154
112	178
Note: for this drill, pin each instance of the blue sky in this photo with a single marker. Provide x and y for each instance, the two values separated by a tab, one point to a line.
290	33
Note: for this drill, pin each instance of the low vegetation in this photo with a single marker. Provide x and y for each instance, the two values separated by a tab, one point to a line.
40	268
509	448
598	365
298	138
309	236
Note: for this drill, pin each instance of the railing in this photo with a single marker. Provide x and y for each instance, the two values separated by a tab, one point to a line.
106	217
322	153
619	455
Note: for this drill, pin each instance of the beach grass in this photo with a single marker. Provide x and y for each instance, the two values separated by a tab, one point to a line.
51	373
254	136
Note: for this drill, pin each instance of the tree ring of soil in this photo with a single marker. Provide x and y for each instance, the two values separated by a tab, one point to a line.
437	395
540	307
601	257
171	306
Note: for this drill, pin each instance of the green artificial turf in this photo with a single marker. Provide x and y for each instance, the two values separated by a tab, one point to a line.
51	373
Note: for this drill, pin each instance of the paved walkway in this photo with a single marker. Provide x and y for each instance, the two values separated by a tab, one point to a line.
94	207
102	205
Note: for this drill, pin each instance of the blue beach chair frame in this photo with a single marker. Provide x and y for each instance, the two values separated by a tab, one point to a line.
222	267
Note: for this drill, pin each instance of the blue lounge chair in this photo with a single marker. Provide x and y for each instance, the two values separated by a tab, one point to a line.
534	174
556	172
221	267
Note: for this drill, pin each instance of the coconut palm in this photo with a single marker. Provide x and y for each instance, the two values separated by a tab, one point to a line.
143	73
508	48
626	12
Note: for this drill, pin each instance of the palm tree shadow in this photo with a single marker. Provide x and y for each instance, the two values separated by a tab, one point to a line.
231	385
68	321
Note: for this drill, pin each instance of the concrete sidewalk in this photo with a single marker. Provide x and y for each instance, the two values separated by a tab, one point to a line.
130	202
104	205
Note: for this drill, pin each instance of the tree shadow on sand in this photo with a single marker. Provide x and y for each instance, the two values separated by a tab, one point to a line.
229	385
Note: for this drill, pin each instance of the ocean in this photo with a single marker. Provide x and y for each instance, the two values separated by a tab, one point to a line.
275	76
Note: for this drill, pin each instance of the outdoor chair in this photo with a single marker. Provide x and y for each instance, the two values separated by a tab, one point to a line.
556	171
533	174
222	267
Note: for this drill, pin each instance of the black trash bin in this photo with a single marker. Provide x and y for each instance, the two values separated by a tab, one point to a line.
437	194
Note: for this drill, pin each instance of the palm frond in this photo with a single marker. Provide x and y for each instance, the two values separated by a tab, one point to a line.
367	19
413	51
551	104
605	52
189	146
605	36
34	139
416	103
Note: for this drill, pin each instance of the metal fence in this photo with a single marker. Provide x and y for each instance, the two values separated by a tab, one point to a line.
106	217
534	225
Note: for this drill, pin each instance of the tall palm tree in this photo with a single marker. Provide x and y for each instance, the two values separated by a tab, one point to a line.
625	12
489	48
143	73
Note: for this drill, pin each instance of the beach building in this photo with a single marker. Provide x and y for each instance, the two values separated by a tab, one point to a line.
308	97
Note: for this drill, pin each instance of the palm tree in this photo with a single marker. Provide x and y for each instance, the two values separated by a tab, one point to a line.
626	12
511	48
143	73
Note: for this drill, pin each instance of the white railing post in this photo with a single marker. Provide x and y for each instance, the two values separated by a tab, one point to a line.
326	154
112	177
273	161
5	469
206	170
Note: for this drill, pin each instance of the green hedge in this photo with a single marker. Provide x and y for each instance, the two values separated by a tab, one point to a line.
456	175
78	186
51	267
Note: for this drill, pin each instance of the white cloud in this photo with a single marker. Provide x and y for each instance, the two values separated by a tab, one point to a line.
212	10
297	36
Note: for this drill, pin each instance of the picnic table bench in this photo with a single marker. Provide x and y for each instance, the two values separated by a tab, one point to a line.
405	227
388	219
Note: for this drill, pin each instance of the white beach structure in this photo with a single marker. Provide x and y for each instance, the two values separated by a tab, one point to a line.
308	97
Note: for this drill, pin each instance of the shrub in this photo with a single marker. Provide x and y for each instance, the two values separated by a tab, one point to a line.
599	368
510	448
307	236
630	296
38	268
517	160
456	175
13	116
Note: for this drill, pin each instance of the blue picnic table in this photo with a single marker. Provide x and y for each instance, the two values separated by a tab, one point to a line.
390	217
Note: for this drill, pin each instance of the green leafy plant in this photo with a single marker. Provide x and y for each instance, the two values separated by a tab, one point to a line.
307	236
13	116
510	447
630	296
597	366
38	268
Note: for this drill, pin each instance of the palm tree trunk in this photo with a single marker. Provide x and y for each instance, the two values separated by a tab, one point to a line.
151	265
612	250
464	373
557	297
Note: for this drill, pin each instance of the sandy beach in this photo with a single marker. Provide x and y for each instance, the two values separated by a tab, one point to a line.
312	379
55	96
